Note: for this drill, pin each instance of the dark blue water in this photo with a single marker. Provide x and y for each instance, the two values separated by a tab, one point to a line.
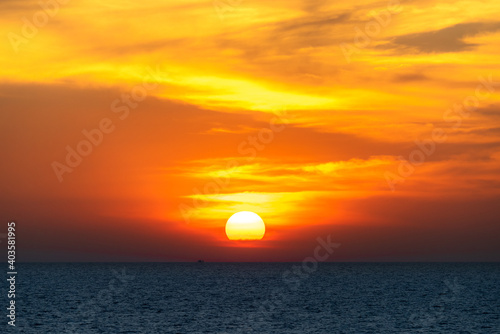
257	298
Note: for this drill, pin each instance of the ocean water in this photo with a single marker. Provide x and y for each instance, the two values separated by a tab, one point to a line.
257	298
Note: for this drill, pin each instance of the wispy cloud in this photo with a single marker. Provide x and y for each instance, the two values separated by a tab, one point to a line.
450	39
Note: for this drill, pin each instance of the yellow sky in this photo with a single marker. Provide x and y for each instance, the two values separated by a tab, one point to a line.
261	56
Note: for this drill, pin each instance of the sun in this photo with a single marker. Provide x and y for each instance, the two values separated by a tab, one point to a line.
245	225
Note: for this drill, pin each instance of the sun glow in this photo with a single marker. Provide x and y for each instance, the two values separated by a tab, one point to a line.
245	225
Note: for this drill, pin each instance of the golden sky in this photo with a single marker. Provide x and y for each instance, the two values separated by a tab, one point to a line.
374	121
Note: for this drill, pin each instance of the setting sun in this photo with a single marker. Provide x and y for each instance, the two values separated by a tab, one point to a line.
245	225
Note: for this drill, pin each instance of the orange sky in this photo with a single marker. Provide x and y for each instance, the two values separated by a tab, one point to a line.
376	122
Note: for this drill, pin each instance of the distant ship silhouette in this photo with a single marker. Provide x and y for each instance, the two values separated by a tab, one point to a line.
201	261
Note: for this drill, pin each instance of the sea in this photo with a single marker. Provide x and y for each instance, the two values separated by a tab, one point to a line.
256	298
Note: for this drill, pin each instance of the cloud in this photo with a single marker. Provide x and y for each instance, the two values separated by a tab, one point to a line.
410	77
492	111
308	24
450	39
287	36
14	6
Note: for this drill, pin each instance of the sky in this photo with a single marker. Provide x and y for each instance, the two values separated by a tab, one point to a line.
131	131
